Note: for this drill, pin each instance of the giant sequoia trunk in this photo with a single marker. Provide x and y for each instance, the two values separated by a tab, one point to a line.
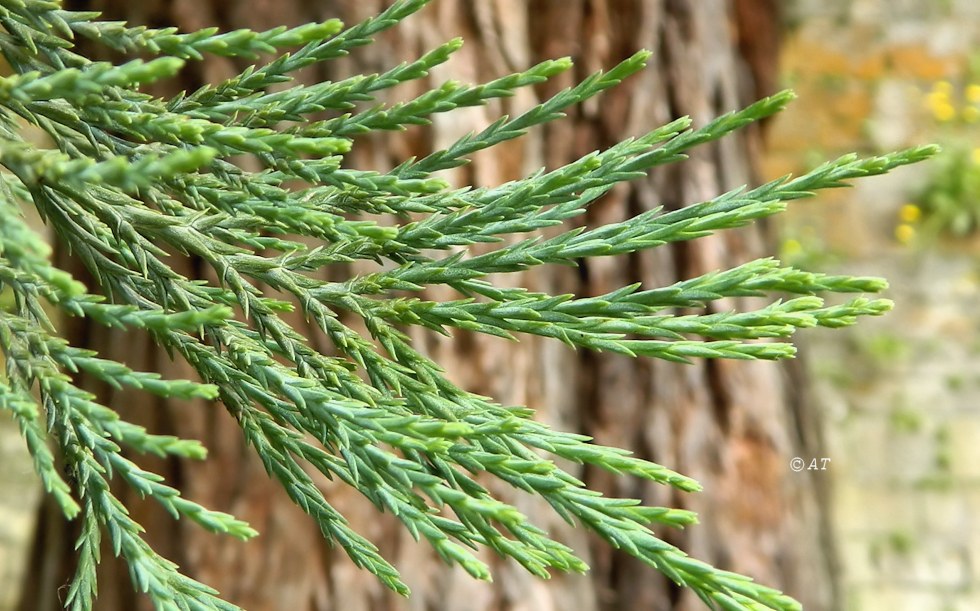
731	425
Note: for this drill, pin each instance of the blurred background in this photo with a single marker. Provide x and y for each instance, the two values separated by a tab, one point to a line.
899	395
889	522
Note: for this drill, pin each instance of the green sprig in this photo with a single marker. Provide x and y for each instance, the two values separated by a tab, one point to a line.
130	179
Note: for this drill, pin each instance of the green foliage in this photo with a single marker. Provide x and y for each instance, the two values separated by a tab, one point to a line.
131	175
950	198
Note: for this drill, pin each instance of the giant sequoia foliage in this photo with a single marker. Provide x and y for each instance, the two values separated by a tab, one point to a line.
126	180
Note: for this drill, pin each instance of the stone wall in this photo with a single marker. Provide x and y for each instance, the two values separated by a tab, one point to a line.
901	394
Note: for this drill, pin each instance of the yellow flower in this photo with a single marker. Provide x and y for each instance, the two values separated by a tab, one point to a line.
934	98
973	93
942	86
904	233
944	112
791	247
975	156
909	213
971	114
940	104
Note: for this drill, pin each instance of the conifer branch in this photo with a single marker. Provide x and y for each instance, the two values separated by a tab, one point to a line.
130	178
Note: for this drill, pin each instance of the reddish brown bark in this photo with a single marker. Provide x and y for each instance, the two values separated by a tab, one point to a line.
729	424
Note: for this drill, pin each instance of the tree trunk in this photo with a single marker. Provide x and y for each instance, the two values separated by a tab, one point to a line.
729	424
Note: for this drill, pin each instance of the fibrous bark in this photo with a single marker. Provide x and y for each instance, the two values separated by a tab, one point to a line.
729	424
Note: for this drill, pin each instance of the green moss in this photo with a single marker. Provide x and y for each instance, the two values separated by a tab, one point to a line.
899	542
944	450
883	349
955	382
906	420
